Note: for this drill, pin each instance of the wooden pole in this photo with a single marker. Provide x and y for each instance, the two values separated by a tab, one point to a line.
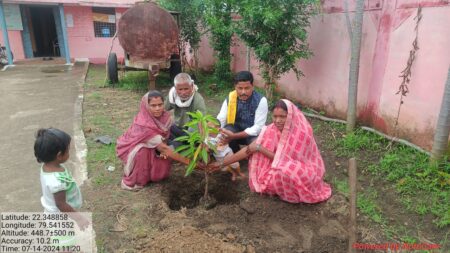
352	196
153	71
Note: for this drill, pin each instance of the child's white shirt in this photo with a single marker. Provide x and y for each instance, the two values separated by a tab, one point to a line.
222	151
53	182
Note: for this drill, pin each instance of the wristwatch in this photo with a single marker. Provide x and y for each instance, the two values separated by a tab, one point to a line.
258	147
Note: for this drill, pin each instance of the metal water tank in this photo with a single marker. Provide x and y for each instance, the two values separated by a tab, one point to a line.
148	32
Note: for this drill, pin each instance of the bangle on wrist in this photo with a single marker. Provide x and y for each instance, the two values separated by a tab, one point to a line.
258	147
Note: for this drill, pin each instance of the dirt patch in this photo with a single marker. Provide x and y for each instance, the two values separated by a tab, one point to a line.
180	191
189	239
245	222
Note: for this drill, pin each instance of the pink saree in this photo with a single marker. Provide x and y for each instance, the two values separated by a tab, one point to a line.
295	174
136	148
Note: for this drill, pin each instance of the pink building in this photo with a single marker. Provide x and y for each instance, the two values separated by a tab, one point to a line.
34	28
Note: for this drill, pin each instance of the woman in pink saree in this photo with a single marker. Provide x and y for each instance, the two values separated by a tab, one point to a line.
284	159
139	146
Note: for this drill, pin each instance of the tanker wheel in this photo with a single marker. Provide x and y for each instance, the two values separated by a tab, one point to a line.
111	68
175	66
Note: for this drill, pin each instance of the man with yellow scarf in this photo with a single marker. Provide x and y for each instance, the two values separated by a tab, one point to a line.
243	113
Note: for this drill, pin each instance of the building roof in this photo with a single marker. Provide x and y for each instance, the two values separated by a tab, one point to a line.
97	3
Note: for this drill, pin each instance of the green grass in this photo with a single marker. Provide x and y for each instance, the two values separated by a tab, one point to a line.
106	125
96	75
95	95
366	201
358	141
138	81
367	204
414	178
130	80
341	186
101	155
134	80
422	188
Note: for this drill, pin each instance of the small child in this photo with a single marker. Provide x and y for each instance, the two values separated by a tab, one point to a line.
60	193
222	152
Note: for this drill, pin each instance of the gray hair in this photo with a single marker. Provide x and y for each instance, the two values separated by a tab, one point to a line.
183	78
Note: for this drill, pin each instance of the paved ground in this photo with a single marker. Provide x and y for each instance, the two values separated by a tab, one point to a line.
32	97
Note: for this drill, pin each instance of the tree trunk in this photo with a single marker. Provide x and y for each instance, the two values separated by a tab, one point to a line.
269	92
205	193
196	59
440	143
247	59
354	66
270	86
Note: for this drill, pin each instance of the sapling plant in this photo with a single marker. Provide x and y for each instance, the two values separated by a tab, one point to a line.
197	145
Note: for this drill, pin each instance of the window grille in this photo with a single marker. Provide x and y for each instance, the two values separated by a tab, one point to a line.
104	21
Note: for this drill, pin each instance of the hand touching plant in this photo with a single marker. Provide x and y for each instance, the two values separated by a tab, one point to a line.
197	146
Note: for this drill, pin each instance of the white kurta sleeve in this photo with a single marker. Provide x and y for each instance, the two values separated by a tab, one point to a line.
222	116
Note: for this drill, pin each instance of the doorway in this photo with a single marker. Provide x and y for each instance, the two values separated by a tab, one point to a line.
42	31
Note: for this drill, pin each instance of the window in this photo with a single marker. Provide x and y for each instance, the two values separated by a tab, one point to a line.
104	21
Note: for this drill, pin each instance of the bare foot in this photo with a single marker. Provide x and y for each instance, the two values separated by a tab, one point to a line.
135	188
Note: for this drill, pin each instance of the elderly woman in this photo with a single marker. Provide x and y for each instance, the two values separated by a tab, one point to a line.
284	159
142	149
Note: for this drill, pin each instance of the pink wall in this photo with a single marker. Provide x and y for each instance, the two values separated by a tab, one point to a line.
421	108
205	55
388	33
82	40
15	41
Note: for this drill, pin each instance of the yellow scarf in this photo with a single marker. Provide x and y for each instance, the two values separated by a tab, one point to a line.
232	107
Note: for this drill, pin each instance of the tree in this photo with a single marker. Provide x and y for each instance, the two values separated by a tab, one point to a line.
198	146
276	32
190	31
218	20
440	143
354	66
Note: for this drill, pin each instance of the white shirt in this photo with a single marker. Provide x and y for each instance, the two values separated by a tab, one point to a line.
260	117
53	182
222	151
